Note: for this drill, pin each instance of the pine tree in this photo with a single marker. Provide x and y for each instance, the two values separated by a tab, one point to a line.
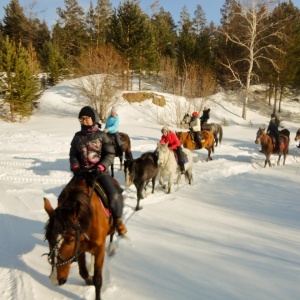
164	30
70	32
103	13
20	82
15	23
131	35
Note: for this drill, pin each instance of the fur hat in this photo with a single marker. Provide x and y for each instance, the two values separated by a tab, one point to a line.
113	110
87	111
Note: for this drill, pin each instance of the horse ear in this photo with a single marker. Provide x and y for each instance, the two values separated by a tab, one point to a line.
47	206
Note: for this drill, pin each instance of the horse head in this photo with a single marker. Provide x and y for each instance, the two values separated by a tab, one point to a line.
186	119
259	134
63	231
162	151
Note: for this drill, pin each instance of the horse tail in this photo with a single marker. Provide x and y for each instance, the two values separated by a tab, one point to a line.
221	134
128	153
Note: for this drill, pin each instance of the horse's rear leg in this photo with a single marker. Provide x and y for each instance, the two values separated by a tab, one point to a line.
139	188
111	246
112	170
153	184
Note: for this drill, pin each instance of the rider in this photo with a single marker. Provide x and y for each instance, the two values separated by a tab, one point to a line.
112	125
195	128
273	129
205	116
92	148
170	138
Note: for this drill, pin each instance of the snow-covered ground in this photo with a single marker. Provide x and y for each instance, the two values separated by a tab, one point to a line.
232	234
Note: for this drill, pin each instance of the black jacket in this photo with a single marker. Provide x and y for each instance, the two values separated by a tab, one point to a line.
205	116
90	148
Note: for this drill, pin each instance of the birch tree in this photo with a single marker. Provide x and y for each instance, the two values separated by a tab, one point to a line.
255	39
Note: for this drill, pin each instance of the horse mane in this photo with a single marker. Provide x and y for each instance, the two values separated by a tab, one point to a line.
75	204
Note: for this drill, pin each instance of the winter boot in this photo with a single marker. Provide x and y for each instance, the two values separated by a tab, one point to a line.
120	227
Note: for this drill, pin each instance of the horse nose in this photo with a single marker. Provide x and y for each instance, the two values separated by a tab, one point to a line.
62	281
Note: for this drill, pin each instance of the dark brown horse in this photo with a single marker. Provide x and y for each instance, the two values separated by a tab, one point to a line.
139	172
297	137
77	225
126	148
207	141
268	146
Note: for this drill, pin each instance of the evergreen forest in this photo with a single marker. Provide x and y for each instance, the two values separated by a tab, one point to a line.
256	42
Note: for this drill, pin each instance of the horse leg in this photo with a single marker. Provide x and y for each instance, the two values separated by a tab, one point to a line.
83	271
169	187
161	181
208	155
97	278
216	140
153	184
112	170
111	246
121	161
139	189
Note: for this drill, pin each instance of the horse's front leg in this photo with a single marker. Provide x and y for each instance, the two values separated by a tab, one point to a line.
169	186
278	161
161	181
83	269
97	278
208	155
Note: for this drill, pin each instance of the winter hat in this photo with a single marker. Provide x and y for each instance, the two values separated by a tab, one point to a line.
165	128
113	110
273	115
87	111
195	114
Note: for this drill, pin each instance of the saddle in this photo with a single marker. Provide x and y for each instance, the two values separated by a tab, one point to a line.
185	158
201	136
281	141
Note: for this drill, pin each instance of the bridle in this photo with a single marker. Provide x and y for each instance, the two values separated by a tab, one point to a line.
54	254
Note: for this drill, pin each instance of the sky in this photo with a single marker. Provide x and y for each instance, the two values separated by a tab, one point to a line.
47	9
232	234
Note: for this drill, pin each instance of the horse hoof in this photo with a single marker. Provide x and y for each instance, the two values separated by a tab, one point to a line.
138	208
89	281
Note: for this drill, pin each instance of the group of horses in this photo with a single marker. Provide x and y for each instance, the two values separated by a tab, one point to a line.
81	222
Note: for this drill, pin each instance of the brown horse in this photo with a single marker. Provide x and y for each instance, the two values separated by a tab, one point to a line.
77	225
207	141
297	137
268	147
126	148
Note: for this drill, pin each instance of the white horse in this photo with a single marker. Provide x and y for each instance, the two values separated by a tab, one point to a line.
169	168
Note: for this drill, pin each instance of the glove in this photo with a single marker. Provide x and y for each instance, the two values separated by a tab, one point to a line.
100	169
105	130
75	169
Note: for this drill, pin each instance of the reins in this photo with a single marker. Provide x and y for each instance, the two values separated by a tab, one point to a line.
60	240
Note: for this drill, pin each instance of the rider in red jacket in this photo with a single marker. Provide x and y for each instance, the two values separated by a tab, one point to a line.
170	138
